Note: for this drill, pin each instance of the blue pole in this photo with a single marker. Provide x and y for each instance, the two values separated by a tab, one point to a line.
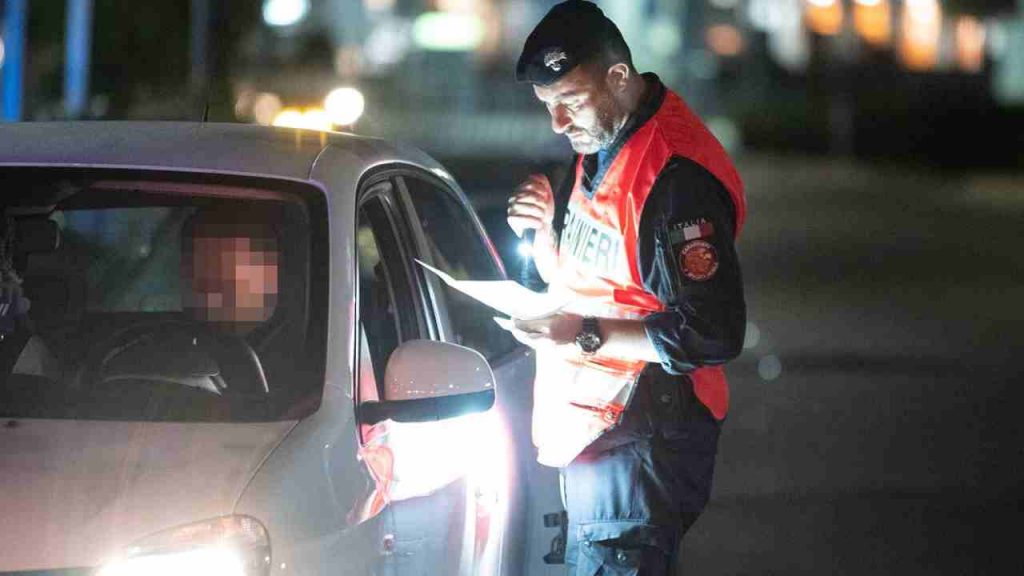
15	17
199	47
77	50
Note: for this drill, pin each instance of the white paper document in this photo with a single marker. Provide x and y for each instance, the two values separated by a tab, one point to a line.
506	323
505	296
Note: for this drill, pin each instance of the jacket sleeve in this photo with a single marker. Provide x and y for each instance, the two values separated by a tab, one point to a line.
687	259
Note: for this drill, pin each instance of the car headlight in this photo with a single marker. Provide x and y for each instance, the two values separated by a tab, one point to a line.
226	546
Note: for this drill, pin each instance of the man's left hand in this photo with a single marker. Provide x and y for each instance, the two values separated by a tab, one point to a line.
557	331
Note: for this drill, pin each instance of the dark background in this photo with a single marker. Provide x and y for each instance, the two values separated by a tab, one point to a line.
875	425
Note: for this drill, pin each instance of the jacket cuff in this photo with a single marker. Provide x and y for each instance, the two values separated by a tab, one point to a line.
663	329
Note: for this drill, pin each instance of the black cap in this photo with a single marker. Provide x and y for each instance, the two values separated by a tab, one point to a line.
571	33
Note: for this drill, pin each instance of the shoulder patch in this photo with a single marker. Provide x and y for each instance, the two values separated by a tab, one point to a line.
691	230
698	260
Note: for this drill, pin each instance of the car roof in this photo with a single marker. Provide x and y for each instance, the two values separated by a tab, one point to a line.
219	147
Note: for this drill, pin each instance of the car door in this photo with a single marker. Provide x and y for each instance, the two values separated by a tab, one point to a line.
421	495
451	238
466	467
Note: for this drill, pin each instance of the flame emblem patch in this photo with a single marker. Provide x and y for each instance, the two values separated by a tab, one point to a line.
698	260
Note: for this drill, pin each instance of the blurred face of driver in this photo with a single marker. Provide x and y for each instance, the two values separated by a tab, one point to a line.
233	279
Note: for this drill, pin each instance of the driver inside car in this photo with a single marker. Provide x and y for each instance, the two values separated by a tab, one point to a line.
229	266
229	285
230	270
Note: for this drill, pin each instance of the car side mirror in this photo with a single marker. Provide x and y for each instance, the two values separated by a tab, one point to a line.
427	381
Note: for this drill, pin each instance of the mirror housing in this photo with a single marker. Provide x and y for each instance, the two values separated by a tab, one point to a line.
427	381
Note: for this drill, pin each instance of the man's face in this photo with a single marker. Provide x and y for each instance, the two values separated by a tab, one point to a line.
233	279
583	108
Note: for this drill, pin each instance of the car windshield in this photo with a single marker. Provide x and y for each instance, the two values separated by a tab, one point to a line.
141	296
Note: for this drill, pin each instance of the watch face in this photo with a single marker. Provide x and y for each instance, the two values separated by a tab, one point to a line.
588	342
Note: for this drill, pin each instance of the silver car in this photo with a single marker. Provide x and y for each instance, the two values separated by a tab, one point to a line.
220	356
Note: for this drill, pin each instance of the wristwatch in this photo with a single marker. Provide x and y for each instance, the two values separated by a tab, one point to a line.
589	337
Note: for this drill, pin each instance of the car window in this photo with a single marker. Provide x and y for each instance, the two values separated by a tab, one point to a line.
387	312
456	245
133	256
159	297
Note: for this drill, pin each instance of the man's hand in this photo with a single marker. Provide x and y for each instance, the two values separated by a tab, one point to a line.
532	206
556	332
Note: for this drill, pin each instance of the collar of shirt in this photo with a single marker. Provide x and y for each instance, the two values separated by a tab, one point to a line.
595	166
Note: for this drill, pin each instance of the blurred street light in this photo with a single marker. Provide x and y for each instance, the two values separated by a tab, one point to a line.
309	119
724	40
769	367
665	38
284	12
824	17
448	31
873	21
788	41
771	15
463	6
317	119
970	44
921	28
262	107
997	40
379	5
1007	49
265	107
387	43
288	118
344	106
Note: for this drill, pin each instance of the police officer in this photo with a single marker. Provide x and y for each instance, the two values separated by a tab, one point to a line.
630	394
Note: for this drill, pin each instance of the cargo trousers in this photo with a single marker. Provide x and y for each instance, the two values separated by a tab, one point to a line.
632	494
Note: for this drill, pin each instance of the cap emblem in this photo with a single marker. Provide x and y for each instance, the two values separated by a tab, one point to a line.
554	59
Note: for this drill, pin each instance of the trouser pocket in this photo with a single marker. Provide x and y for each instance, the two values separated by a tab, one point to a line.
623	549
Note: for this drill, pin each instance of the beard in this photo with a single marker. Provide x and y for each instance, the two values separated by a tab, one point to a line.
608	122
588	143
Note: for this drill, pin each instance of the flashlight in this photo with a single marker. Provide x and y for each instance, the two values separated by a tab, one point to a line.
526	245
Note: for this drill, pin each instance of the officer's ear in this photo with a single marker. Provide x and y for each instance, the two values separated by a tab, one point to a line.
617	77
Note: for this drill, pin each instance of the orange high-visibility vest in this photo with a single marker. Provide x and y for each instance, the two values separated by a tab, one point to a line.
578	399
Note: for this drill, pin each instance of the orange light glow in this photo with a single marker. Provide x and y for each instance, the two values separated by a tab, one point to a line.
460	6
824	17
873	21
724	40
921	28
309	119
970	44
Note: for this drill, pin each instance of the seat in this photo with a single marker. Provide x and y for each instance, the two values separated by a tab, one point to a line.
55	286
